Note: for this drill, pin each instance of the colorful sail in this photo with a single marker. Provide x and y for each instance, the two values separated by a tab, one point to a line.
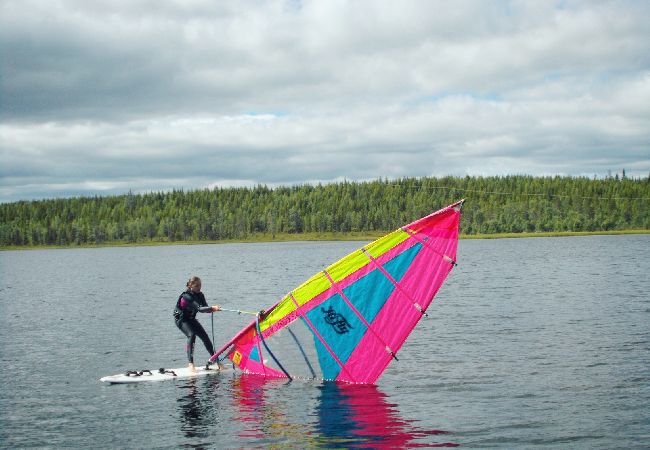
348	322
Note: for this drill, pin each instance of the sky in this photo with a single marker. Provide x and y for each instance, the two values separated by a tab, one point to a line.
107	97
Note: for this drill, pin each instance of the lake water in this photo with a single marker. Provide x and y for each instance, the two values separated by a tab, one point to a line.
531	343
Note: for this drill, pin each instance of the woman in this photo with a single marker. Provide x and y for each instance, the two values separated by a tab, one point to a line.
189	303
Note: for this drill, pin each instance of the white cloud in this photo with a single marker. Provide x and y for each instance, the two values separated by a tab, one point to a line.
102	97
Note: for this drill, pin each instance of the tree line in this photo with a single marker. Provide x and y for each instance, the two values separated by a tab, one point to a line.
504	204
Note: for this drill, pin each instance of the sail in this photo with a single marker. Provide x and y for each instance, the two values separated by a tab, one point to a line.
348	322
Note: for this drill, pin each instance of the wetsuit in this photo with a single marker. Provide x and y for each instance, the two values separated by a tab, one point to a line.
188	304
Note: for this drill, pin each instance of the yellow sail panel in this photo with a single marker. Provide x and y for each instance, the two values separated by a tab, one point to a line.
347	265
285	307
316	285
382	245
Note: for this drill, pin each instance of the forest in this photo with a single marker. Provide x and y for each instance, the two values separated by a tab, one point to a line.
504	204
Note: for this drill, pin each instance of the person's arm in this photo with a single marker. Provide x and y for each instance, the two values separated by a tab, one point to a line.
207	309
199	305
204	305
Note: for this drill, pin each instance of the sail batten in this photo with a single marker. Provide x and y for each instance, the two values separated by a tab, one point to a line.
323	341
359	315
356	314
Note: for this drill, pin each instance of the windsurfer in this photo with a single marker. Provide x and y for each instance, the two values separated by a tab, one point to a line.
188	304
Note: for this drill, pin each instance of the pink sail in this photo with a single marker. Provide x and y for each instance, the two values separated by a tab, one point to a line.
348	322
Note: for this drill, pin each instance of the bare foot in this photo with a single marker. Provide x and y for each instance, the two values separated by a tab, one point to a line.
191	367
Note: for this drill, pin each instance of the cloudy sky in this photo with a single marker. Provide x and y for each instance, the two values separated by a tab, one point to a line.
106	96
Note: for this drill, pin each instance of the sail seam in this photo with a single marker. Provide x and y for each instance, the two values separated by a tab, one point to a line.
392	280
359	315
320	337
259	347
424	242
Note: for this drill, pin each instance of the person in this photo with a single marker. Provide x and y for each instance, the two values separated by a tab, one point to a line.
188	304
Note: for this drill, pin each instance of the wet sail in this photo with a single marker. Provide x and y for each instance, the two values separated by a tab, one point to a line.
348	322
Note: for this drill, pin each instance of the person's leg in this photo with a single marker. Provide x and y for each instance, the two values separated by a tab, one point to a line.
188	330
200	332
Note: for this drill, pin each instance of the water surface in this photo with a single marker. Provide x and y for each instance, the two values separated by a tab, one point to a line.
531	343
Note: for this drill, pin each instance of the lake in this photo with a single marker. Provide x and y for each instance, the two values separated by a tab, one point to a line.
530	343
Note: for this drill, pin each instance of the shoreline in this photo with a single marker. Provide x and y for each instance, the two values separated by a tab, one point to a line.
302	237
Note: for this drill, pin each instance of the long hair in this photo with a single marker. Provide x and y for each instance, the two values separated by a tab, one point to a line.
192	280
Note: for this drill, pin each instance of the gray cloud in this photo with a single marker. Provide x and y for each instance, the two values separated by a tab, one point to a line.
103	97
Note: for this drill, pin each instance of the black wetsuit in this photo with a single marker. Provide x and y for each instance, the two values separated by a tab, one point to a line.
188	304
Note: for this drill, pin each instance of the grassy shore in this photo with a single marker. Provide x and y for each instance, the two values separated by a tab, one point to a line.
351	236
552	234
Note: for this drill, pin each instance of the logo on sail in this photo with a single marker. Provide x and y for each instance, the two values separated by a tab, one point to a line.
338	322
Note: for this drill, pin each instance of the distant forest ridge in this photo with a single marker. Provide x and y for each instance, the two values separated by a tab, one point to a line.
508	204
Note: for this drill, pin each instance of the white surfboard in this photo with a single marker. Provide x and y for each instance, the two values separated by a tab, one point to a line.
140	376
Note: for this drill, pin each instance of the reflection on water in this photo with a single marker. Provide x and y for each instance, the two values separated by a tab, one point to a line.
360	416
265	419
198	407
345	416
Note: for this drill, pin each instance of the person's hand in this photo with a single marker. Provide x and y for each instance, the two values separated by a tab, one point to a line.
216	308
